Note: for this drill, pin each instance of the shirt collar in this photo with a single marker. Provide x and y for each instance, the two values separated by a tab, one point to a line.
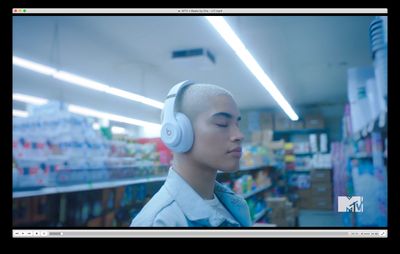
191	203
235	204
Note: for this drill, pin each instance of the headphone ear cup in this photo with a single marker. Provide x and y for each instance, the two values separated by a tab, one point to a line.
187	137
171	134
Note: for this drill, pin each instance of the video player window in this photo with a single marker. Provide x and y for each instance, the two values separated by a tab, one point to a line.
199	118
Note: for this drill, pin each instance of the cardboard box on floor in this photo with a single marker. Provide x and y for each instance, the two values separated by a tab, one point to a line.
282	212
321	175
319	189
321	203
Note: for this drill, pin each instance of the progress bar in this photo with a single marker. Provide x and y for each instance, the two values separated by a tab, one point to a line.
160	233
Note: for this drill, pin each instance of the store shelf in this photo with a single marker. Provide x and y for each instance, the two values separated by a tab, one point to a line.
299	171
304	154
85	187
361	156
303	131
249	168
256	167
256	191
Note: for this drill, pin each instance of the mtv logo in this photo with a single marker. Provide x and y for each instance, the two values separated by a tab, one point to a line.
350	204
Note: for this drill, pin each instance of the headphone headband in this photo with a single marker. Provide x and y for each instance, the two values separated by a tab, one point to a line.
176	130
169	104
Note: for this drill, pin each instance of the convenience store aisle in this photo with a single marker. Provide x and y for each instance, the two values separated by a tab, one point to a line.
80	162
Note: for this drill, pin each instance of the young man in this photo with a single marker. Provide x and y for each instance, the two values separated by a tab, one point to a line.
210	140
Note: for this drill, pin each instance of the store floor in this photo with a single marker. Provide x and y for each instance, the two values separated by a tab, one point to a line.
315	218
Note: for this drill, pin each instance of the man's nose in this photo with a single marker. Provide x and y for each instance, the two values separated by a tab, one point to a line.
237	135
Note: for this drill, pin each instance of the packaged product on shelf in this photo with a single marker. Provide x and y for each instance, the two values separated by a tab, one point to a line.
267	135
368	146
373	99
247	159
289	158
261	178
301	181
303	163
109	220
313	143
63	148
14	177
290	165
246	183
237	186
30	173
50	137
301	147
122	168
361	114
323	161
157	148
276	145
256	138
288	146
256	156
323	143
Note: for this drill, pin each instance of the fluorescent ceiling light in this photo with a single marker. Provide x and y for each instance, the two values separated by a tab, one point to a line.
84	82
29	99
80	81
134	97
33	66
240	49
118	130
20	113
86	112
112	117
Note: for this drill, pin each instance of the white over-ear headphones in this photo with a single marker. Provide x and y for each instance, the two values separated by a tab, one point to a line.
176	130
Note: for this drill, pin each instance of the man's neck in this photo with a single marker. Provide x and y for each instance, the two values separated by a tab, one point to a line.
200	177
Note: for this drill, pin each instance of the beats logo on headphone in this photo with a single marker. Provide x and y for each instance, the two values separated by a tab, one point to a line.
176	130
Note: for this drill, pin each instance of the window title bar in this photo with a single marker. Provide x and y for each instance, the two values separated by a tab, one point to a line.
200	11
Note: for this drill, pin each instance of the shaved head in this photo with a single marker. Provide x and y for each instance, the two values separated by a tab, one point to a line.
195	99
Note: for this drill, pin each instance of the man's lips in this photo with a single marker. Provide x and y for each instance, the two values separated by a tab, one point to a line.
236	152
237	149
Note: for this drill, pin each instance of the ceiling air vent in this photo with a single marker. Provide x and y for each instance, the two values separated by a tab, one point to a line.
194	58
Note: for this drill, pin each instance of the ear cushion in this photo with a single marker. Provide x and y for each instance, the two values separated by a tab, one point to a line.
171	134
187	137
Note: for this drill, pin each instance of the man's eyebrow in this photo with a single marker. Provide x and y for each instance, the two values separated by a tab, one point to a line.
225	114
